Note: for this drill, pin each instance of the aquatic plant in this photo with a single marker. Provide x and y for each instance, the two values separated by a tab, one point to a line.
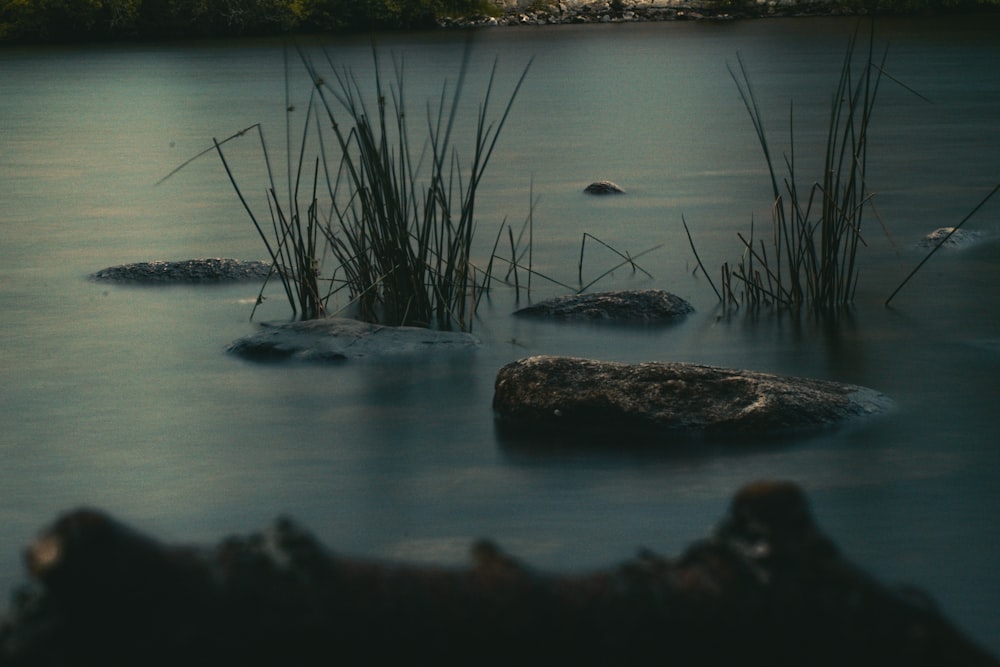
292	238
402	238
811	256
519	250
293	248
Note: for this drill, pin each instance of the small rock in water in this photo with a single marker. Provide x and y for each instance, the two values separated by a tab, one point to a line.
604	188
339	339
949	237
211	270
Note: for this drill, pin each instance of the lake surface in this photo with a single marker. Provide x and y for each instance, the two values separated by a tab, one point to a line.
124	398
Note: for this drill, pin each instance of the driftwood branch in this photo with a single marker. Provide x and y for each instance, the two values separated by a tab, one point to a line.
766	588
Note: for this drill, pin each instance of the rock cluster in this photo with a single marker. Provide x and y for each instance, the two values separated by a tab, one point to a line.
665	402
339	339
211	270
514	13
646	306
765	588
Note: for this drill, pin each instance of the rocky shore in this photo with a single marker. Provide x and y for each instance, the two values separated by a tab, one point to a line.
563	12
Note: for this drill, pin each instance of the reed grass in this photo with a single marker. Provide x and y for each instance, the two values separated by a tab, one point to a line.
292	237
519	250
810	257
403	238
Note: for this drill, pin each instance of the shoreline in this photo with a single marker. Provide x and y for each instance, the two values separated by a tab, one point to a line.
492	13
574	12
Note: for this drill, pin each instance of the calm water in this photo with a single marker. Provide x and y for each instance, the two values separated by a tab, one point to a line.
123	398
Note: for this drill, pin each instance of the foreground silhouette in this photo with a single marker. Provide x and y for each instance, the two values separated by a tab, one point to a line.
766	588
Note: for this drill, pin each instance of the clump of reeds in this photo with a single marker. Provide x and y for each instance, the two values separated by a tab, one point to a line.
403	221
401	239
292	237
810	258
293	245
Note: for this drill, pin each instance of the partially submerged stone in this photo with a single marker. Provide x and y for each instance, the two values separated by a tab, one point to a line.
604	188
767	587
650	306
950	237
338	339
629	402
209	270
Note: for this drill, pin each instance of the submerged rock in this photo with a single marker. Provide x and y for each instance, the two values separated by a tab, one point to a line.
950	237
338	339
546	394
767	587
618	306
211	270
604	188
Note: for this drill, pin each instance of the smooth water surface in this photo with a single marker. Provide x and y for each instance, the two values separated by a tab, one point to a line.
124	398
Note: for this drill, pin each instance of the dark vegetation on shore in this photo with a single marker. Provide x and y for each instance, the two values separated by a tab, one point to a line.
114	20
54	21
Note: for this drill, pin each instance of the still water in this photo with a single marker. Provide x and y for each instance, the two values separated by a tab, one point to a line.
123	397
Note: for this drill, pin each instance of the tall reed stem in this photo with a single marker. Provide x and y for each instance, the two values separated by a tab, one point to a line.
404	239
816	231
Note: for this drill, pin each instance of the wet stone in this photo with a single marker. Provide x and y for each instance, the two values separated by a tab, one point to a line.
604	188
190	271
340	339
949	237
667	402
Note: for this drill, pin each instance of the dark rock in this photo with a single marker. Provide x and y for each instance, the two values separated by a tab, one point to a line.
338	339
950	237
604	188
663	401
621	306
212	270
766	588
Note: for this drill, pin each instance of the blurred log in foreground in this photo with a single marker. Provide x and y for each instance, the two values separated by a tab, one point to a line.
766	588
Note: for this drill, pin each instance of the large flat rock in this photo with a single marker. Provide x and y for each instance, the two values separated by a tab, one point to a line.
581	396
339	339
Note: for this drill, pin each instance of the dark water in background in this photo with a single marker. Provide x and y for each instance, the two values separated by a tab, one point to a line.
122	397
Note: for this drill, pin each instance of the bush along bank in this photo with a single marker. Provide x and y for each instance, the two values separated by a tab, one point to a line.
42	21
